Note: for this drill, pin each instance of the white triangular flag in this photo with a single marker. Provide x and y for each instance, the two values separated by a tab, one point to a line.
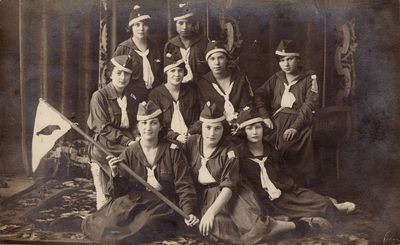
49	127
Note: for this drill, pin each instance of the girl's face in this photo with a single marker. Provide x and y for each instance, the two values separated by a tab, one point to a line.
119	78
140	29
175	75
149	128
212	133
218	63
254	132
184	27
289	64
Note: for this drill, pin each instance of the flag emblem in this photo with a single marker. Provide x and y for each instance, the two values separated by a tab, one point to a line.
49	127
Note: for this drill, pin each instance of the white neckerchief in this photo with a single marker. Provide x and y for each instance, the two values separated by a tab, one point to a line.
228	107
148	76
288	97
205	177
177	122
185	57
266	183
122	103
151	179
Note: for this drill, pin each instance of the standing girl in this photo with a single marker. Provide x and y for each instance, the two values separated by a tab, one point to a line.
146	56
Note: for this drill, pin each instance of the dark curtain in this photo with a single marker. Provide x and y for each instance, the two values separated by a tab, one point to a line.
60	57
58	61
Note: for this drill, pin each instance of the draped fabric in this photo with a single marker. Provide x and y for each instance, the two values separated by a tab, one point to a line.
64	48
62	59
58	49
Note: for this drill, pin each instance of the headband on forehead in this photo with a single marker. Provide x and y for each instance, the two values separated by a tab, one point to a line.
215	47
147	111
211	113
137	15
171	62
248	116
122	62
184	12
287	48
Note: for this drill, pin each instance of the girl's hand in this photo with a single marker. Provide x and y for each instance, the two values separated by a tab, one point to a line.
289	134
192	221
206	224
113	163
182	138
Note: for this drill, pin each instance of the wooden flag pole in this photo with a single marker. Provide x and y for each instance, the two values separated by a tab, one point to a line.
121	164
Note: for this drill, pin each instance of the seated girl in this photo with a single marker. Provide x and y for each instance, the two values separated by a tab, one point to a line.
230	211
259	164
133	208
177	101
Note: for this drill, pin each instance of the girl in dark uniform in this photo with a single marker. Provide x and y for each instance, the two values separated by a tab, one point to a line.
134	208
177	101
259	164
230	211
112	119
188	45
146	56
286	102
227	87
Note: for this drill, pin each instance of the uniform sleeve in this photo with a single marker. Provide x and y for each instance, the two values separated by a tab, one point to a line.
100	121
121	50
262	95
119	185
183	181
230	172
310	104
201	99
246	94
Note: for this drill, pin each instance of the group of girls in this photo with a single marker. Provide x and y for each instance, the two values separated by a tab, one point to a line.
178	136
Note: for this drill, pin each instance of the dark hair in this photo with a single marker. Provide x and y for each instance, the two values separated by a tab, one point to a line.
165	77
148	22
192	20
108	71
241	133
196	128
278	58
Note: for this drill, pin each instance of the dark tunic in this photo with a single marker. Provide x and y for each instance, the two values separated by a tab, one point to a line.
240	96
105	120
188	105
133	207
137	83
298	153
294	202
197	62
241	221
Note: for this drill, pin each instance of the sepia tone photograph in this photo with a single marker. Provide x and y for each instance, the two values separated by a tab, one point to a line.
183	122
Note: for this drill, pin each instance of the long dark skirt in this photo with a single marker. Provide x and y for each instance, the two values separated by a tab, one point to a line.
124	217
305	203
241	221
298	154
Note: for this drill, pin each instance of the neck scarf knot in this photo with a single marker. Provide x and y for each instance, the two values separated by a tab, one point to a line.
204	175
266	183
122	103
151	179
185	57
148	76
177	122
229	110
